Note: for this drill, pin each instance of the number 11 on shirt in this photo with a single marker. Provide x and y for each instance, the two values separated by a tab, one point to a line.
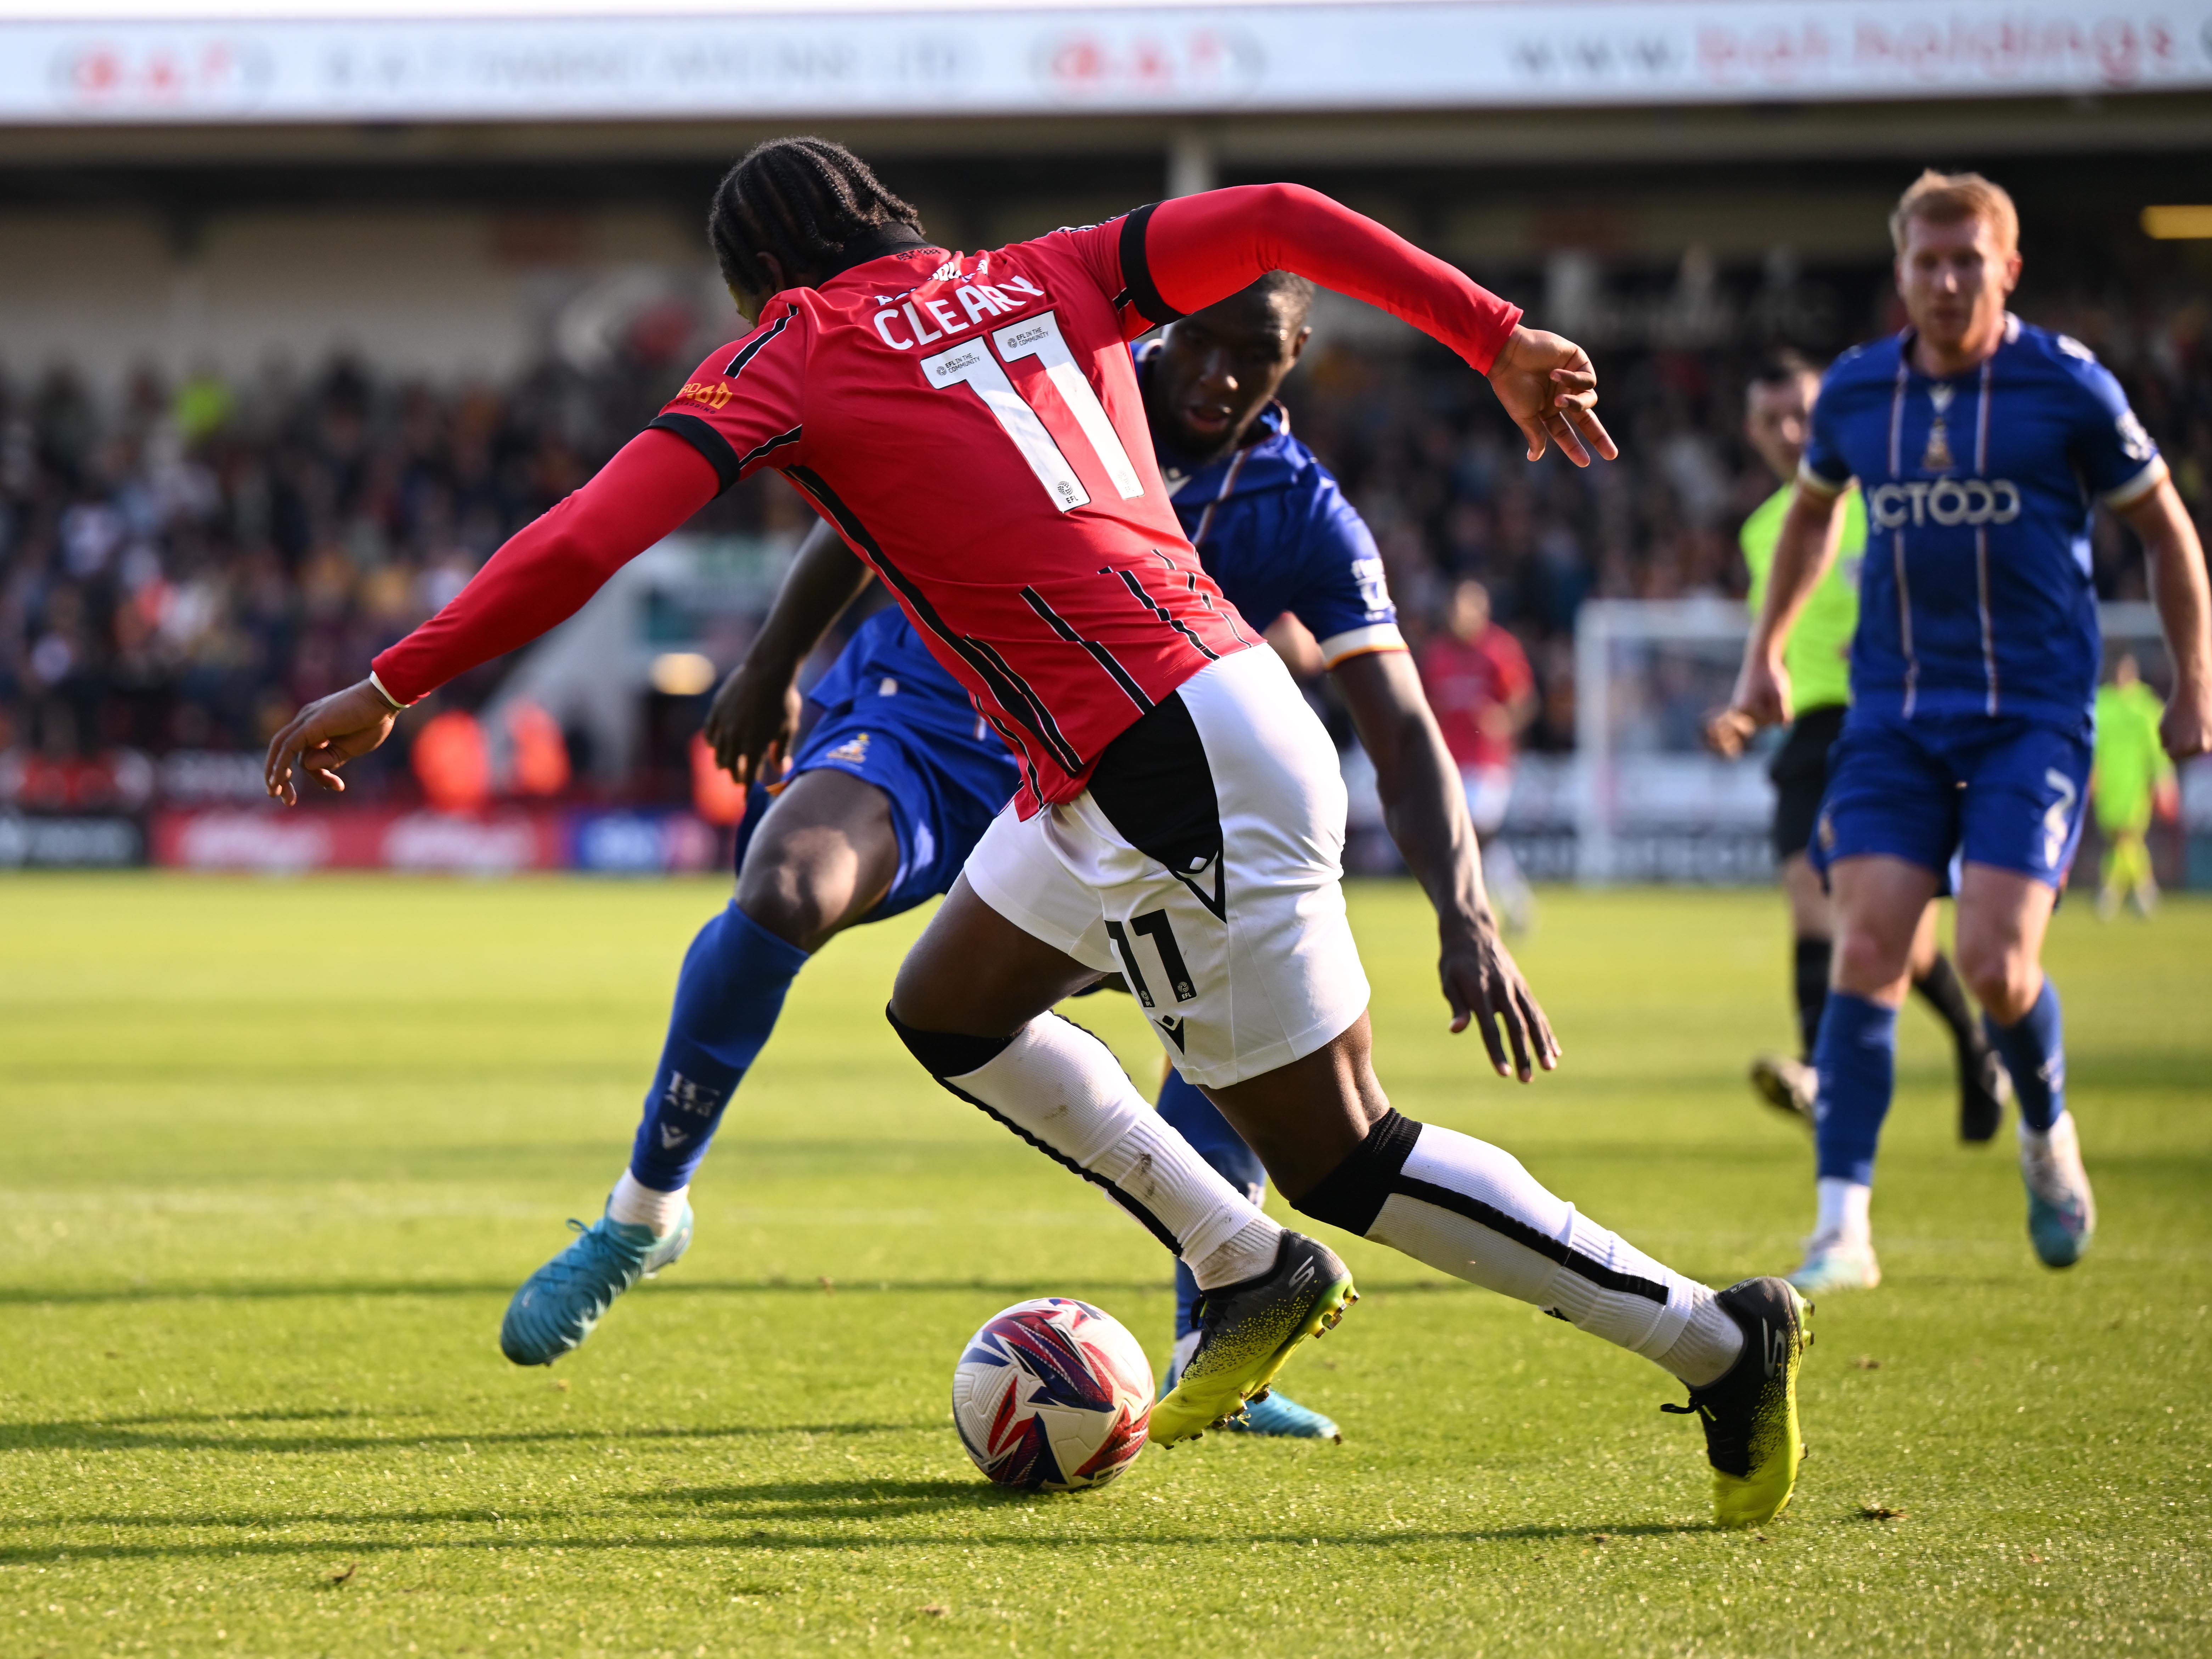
974	368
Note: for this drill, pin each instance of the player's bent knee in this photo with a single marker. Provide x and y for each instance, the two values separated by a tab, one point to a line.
947	1053
1983	962
2004	982
1352	1195
799	905
1865	963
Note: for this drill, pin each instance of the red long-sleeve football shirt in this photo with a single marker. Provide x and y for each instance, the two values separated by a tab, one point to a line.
973	427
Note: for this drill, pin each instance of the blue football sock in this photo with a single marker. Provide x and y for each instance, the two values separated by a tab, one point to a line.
727	998
1198	1120
1857	1055
2034	1053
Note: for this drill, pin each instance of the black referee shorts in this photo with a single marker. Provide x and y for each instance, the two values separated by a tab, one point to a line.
1800	772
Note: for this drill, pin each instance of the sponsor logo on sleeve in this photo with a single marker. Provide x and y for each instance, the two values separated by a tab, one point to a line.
1374	586
708	394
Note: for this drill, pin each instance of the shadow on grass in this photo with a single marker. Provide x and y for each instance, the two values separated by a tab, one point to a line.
293	1290
856	1504
814	1500
844	1499
308	1289
160	1434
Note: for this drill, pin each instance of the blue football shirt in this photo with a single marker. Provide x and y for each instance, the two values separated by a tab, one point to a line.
885	672
1975	596
1273	527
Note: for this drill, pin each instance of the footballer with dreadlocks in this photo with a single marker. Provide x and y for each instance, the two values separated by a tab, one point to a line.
973	427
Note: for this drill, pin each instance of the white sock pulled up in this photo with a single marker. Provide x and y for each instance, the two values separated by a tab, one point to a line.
1470	1210
1061	1089
638	1205
1844	1214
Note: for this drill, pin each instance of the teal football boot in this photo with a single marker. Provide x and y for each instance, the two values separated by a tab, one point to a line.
1837	1264
2062	1212
557	1305
1273	1415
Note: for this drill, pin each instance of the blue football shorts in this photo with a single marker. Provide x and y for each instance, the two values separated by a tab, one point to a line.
2005	791
944	789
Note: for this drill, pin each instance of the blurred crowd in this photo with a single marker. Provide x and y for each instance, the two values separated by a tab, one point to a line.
183	564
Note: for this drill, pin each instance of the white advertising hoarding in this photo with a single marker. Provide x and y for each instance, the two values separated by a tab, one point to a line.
903	61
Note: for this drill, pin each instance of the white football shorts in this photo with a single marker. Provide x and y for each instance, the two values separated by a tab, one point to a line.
1213	886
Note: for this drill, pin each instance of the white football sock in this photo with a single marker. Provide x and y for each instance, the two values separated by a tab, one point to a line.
1186	1345
1845	1213
1470	1209
639	1205
1062	1088
1707	1347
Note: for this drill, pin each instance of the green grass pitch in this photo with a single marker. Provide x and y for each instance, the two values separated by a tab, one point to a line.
274	1155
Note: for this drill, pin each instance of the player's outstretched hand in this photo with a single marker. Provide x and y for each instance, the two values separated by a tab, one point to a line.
323	736
750	725
1550	389
1483	984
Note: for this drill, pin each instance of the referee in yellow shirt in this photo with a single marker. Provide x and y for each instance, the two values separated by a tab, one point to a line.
1777	415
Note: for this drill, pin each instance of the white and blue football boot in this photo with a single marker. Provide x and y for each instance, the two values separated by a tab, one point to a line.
2062	1212
557	1306
1834	1264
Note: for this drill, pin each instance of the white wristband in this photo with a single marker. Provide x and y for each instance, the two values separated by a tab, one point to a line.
381	691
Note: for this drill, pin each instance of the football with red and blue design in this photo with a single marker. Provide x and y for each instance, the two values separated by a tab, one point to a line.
1053	1395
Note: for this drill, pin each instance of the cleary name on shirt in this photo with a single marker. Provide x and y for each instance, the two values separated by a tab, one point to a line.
978	298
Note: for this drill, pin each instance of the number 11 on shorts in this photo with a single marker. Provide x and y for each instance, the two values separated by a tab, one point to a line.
974	368
1153	925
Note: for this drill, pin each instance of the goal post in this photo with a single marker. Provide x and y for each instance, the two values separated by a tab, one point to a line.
1651	803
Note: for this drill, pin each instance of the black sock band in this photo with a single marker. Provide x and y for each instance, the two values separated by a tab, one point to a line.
1351	1195
1940	989
1812	983
947	1053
